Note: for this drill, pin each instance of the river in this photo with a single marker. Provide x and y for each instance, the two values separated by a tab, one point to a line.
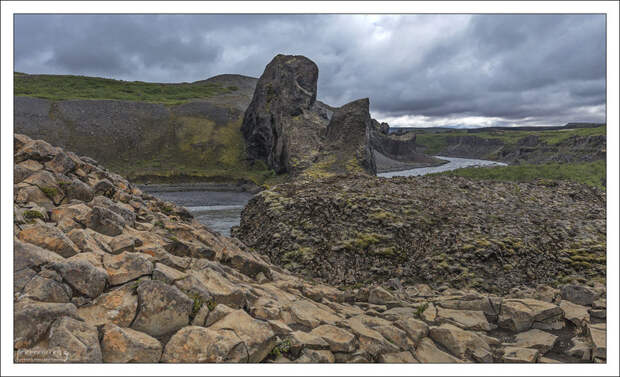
453	164
221	210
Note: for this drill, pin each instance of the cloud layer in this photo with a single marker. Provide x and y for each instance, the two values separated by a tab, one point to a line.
417	70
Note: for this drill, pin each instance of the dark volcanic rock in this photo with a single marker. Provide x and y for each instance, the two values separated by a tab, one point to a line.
348	139
433	230
285	92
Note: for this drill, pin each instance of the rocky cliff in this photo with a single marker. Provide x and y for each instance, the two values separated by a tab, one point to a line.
106	273
516	147
288	129
280	125
397	151
194	140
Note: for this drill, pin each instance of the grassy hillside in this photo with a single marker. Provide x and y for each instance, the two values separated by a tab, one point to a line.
64	87
590	173
160	135
435	142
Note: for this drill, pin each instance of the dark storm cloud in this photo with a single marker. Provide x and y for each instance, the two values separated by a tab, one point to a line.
416	69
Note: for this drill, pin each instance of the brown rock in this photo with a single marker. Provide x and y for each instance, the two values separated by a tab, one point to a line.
397	357
26	255
124	345
459	342
427	352
47	290
339	340
310	315
257	335
316	356
220	311
83	277
125	267
49	237
577	314
520	355
537	339
194	344
162	309
85	241
396	336
31	320
466	319
598	339
118	306
37	150
414	328
167	274
370	341
78	339
578	294
521	314
380	296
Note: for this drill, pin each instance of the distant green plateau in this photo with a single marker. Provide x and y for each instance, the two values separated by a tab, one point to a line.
590	173
66	87
435	142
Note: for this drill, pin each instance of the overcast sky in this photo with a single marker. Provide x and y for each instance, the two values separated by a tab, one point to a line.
417	70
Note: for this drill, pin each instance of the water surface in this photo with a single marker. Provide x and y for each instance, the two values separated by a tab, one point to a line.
453	164
221	210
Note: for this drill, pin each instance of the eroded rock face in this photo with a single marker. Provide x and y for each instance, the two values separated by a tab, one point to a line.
348	139
285	90
291	132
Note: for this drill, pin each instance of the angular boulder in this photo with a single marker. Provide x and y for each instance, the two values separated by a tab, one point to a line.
194	344
257	335
162	309
78	339
124	345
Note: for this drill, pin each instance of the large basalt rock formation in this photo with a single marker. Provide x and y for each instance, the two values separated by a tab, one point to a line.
165	288
291	132
347	141
434	230
272	125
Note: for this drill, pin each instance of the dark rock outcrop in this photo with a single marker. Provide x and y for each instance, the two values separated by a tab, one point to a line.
347	143
274	125
433	230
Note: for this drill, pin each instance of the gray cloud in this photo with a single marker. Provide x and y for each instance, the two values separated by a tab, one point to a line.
416	69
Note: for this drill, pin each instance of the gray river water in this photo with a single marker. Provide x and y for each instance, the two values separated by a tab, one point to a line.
221	210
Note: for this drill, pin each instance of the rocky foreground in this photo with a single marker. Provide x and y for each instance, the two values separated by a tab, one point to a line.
106	273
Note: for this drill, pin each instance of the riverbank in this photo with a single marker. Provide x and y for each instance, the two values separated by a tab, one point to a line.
200	186
386	164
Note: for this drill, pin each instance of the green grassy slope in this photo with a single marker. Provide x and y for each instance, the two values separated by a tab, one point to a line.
191	145
590	173
64	87
435	142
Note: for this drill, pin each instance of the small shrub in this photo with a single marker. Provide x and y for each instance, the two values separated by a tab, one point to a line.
282	347
421	309
50	192
31	214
